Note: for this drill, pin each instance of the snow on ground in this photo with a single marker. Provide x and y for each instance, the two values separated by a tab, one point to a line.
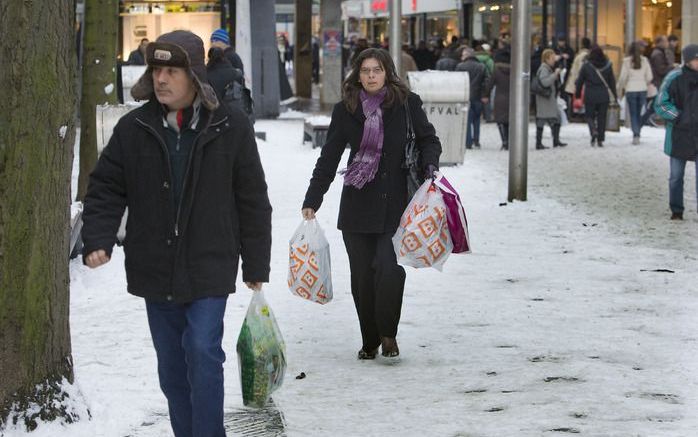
557	322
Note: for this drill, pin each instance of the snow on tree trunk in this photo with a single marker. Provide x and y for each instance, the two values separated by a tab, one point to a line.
98	77
37	133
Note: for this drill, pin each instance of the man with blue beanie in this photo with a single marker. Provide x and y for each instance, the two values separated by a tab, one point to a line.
677	103
220	39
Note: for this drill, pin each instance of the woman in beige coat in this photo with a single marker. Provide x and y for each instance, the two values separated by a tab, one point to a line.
634	81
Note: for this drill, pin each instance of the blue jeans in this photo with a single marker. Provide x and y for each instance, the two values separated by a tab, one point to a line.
474	116
187	340
677	168
636	101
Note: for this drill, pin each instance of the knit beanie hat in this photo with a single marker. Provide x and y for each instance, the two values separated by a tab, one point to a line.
181	49
220	35
690	52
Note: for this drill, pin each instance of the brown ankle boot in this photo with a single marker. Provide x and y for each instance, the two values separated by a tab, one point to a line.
389	347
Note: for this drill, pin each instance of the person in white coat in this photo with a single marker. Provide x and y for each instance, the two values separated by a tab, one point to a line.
634	81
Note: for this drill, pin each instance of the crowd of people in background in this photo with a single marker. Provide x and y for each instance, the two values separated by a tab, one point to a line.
582	83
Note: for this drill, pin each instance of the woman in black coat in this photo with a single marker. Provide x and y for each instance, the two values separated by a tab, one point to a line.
501	75
597	94
371	118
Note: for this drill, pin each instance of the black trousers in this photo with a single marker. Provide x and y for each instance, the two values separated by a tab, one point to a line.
377	285
596	118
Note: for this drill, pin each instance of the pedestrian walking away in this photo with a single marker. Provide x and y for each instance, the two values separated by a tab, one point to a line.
596	76
371	118
547	110
190	173
480	85
502	74
661	64
634	81
221	40
677	103
571	82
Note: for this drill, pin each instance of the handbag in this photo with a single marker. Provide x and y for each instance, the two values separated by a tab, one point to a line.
613	113
411	163
538	88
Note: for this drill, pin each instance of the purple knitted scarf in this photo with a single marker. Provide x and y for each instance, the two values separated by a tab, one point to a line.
364	166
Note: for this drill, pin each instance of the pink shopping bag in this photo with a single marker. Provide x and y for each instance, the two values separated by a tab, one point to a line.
455	214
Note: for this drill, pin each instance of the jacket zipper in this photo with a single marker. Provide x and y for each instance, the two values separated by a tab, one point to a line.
163	146
169	165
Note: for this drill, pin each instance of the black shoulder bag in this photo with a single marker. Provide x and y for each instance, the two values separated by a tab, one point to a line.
411	164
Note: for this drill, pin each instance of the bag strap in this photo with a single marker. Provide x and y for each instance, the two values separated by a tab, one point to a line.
610	93
411	137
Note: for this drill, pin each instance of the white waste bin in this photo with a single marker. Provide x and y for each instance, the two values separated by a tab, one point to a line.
446	96
129	77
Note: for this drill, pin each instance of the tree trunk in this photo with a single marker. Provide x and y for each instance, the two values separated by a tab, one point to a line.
98	78
37	133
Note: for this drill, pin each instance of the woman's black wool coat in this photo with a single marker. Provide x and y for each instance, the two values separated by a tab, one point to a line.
378	206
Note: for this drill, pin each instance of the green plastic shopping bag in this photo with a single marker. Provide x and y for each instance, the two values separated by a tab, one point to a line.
261	353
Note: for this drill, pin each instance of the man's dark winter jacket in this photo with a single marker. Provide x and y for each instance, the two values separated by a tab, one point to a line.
594	89
378	206
225	213
677	103
479	78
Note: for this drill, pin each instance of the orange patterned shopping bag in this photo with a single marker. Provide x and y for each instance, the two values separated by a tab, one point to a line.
309	268
423	239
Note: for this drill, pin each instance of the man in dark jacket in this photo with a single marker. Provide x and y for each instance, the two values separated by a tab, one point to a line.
661	65
221	39
677	103
229	83
480	85
137	57
424	57
191	176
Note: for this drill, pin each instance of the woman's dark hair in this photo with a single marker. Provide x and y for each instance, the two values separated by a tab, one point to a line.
397	91
597	56
635	52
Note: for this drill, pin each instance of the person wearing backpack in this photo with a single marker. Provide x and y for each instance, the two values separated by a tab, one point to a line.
229	83
596	76
546	90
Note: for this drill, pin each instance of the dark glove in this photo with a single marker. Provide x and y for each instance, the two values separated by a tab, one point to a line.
429	171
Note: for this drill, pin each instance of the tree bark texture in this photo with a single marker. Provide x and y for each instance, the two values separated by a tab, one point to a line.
98	77
302	54
37	126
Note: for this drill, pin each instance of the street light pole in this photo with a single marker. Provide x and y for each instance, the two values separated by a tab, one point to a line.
519	100
629	23
396	33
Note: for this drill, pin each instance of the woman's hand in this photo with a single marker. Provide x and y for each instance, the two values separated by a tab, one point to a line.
308	213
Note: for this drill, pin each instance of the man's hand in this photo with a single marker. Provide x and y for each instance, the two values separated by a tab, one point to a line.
254	286
485	100
308	213
96	259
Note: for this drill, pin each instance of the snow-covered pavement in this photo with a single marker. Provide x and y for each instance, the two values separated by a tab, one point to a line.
575	313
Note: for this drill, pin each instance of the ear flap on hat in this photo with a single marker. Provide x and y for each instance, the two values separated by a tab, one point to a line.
143	89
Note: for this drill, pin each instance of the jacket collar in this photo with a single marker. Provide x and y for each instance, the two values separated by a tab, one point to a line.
152	114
